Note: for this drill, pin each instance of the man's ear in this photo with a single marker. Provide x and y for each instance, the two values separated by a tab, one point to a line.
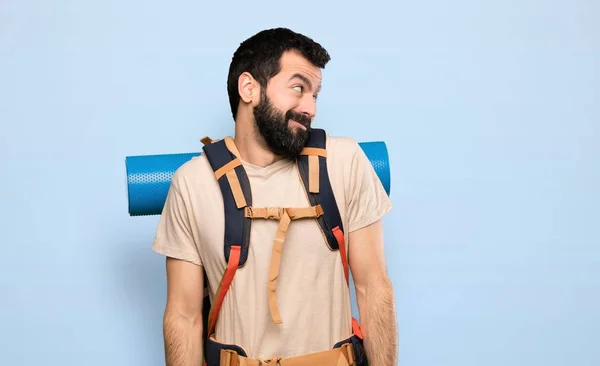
248	88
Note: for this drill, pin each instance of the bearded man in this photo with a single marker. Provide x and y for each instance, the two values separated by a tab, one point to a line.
244	221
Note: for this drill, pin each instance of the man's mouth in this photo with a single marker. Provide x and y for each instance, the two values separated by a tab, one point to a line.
297	124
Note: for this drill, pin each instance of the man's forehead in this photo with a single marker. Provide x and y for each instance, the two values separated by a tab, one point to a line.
294	63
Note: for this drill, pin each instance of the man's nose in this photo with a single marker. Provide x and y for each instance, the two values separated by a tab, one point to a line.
308	106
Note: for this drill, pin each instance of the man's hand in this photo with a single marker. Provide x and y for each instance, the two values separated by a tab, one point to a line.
182	323
374	294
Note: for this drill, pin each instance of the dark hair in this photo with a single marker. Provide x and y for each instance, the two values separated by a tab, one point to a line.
260	56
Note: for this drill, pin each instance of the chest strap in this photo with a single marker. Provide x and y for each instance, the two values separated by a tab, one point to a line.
285	216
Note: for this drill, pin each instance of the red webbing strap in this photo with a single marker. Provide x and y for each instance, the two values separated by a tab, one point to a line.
232	266
356	328
339	236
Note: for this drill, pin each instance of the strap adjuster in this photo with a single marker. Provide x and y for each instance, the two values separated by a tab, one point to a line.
275	361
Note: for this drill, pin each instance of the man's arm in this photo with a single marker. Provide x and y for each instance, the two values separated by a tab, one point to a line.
182	322
374	294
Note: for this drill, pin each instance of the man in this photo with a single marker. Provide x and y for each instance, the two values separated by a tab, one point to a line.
273	83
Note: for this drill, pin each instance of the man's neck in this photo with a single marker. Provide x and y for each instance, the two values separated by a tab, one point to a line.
251	147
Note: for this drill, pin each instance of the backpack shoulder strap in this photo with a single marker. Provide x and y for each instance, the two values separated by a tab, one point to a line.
225	161
312	164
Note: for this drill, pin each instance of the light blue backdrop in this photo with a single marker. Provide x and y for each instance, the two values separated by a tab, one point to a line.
490	111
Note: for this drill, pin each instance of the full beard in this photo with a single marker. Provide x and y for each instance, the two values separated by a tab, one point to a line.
273	126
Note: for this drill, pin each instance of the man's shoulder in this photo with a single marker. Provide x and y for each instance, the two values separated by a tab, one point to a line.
341	144
341	149
193	174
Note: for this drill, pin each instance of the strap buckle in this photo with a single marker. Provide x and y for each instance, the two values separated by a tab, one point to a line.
274	212
275	361
268	213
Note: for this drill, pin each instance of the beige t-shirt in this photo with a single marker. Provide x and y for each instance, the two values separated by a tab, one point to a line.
312	294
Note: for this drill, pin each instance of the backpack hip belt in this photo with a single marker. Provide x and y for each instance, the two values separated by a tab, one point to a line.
339	356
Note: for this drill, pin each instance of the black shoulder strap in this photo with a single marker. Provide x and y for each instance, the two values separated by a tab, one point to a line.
237	225
331	215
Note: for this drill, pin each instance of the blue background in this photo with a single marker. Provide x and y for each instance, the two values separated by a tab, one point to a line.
491	114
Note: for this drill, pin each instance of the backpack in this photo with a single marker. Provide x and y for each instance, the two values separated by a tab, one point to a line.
239	214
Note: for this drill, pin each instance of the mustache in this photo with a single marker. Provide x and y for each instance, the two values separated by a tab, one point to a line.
303	119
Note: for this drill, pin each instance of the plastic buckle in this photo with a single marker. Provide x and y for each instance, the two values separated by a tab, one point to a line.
275	361
274	213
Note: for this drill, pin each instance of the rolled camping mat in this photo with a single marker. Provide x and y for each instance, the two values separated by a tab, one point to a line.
149	176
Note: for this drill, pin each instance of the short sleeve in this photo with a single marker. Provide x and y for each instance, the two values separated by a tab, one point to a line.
174	235
367	198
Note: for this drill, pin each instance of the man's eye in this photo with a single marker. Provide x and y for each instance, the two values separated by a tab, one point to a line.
298	88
